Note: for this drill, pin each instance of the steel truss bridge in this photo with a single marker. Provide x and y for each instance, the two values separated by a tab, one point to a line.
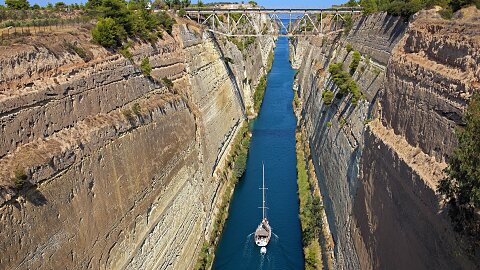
255	22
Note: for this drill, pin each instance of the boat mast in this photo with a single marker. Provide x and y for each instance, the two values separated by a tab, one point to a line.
263	189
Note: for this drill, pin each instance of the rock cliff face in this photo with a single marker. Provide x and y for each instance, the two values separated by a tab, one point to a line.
120	167
379	162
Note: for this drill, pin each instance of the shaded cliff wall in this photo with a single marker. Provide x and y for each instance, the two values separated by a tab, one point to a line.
379	187
120	167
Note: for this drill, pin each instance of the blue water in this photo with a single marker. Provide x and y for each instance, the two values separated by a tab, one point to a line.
273	142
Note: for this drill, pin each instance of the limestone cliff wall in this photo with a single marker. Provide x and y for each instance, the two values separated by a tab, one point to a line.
120	167
378	178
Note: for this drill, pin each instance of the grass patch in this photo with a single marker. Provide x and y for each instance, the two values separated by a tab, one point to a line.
259	93
262	85
310	210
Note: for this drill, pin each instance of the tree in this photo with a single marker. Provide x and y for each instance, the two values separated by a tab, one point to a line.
461	187
369	6
355	62
145	66
186	3
159	4
351	3
253	3
108	33
327	97
182	12
93	4
60	5
17	4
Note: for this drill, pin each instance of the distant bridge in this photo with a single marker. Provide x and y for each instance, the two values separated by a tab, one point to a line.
237	22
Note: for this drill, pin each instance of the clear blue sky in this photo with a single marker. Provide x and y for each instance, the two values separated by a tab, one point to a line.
266	3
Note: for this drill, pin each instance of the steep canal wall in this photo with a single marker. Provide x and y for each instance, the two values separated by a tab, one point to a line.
123	170
378	162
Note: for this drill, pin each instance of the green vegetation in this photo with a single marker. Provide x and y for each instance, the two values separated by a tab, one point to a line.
242	43
17	4
355	62
72	48
20	178
128	114
119	20
270	61
461	187
349	48
165	21
343	122
168	83
136	109
259	93
406	8
262	85
236	161
253	3
126	52
108	33
182	12
145	67
344	82
329	124
347	23
328	97
310	210
296	101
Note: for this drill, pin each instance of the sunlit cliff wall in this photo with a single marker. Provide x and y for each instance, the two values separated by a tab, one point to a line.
121	167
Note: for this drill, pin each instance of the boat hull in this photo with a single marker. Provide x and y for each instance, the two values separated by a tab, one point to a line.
263	234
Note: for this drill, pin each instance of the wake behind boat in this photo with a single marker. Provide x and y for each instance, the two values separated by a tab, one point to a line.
263	232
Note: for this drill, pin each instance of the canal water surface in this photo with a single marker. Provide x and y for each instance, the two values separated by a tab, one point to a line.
273	142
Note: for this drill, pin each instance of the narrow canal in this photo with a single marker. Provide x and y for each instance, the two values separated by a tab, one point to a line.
273	142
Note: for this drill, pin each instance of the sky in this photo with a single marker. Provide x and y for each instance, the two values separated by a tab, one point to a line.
266	3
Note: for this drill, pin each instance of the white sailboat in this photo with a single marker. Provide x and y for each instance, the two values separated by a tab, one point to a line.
263	231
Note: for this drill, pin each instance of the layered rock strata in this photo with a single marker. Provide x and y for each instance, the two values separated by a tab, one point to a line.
379	178
120	166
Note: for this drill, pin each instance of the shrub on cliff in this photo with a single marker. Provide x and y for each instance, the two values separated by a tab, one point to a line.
108	33
328	97
355	62
343	80
20	178
145	66
168	83
461	187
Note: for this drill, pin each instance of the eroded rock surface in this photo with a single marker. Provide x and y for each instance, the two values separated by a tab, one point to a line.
379	178
120	166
